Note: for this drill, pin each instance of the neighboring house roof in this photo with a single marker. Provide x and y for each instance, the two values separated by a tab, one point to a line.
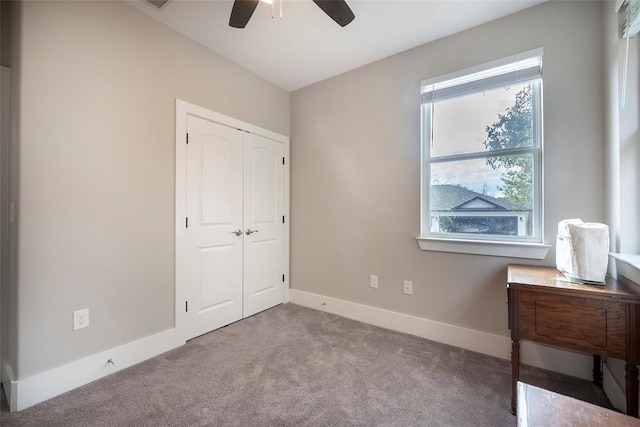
448	197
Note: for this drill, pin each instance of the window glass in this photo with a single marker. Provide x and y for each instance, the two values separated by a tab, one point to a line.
460	125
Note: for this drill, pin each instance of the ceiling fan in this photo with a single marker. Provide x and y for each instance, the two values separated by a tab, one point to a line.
338	10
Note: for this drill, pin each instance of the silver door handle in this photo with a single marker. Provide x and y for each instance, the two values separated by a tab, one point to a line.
238	232
249	232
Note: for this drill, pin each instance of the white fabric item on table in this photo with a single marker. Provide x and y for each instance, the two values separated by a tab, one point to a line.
582	251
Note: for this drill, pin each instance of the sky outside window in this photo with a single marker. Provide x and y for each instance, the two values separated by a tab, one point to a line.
459	127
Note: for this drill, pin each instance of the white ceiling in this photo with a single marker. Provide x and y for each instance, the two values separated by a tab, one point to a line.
306	46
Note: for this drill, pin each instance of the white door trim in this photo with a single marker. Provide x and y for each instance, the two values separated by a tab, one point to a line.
184	109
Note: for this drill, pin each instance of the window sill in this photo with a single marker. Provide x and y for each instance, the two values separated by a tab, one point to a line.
628	265
485	247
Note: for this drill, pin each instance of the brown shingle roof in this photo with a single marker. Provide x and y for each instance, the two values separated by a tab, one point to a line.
447	197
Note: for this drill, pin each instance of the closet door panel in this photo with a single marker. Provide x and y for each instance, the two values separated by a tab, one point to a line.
263	221
214	212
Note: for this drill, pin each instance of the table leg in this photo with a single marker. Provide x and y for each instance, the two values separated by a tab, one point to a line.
597	370
632	389
515	374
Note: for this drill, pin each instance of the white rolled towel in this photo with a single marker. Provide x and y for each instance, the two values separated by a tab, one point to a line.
582	251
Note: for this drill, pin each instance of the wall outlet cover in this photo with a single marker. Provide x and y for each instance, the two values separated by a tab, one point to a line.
373	281
80	319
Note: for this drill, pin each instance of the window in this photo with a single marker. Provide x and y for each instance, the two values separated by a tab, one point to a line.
482	153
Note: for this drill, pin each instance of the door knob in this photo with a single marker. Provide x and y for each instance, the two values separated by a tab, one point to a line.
238	232
249	232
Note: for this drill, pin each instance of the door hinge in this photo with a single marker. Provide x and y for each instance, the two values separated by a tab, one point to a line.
283	160
283	277
186	306
187	137
186	222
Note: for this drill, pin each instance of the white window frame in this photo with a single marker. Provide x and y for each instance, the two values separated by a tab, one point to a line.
475	80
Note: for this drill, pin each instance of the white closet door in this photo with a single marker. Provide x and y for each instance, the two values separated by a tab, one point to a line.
263	223
214	211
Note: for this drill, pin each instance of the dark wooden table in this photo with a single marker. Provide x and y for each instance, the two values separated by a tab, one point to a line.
543	408
599	320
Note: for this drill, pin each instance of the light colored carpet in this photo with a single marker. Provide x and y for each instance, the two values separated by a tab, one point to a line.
294	366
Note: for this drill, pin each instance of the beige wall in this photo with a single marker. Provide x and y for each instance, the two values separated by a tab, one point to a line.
4	225
356	168
97	129
11	12
623	147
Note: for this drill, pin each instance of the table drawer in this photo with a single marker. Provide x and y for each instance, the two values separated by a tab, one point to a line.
582	324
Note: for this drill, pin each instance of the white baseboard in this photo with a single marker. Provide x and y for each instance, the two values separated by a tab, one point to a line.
553	359
613	390
45	385
9	384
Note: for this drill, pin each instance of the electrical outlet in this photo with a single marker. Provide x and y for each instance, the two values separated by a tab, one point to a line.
80	319
408	287
373	281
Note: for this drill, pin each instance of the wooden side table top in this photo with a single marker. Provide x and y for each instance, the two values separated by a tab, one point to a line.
552	280
538	407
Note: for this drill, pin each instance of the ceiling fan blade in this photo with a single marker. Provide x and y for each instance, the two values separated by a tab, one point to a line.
241	12
338	10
